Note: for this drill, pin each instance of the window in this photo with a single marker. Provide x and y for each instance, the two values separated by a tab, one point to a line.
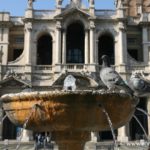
75	56
19	40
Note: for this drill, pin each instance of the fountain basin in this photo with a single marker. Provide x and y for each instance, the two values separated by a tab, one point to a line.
69	111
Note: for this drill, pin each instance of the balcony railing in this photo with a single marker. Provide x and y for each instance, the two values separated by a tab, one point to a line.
73	67
47	69
44	14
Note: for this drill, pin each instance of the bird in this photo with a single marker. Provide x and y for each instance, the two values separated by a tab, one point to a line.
69	83
111	79
139	84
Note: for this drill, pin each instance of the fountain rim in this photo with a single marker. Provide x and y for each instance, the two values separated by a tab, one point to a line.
10	96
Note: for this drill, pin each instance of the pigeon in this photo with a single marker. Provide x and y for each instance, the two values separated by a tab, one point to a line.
70	83
139	85
111	79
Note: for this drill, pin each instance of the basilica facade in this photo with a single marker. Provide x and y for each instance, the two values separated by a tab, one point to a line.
39	47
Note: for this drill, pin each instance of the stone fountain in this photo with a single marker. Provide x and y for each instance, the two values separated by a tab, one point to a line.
69	114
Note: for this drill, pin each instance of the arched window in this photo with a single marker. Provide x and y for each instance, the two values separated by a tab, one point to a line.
44	50
75	43
106	47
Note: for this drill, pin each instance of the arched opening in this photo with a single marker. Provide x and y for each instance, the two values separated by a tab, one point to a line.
75	43
106	47
136	132
44	50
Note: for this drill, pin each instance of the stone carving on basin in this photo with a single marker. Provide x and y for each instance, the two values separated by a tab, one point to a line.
78	111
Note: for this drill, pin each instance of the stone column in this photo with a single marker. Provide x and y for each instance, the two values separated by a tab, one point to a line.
58	47
92	43
86	47
28	41
64	48
58	42
122	135
122	43
4	44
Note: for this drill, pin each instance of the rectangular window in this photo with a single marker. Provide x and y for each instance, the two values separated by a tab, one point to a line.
19	40
132	40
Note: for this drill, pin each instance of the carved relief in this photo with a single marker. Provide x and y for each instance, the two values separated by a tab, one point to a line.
28	26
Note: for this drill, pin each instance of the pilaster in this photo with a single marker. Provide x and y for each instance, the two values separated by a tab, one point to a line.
122	43
92	43
64	47
28	41
86	51
58	42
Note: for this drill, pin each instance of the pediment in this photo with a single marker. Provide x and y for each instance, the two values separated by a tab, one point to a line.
14	82
71	12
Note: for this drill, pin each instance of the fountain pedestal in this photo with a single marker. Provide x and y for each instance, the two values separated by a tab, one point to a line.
71	140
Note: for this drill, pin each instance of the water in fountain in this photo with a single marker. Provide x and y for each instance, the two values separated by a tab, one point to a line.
111	127
2	120
143	111
140	126
70	83
25	125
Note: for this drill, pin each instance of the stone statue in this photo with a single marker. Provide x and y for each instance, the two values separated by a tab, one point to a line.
30	3
58	2
91	2
76	2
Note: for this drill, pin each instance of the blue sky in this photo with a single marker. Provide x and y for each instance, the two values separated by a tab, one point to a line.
17	7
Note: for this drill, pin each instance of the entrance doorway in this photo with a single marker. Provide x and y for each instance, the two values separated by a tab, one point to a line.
106	47
44	50
75	43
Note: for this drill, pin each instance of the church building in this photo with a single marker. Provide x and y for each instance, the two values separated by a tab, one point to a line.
37	49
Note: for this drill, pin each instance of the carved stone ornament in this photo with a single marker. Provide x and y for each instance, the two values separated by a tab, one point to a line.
28	26
92	25
10	73
58	25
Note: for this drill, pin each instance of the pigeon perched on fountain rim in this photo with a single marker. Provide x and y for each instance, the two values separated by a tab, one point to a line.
111	79
139	84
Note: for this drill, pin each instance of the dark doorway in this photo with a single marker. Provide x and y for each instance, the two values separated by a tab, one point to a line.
44	50
106	47
9	130
136	133
75	43
107	135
